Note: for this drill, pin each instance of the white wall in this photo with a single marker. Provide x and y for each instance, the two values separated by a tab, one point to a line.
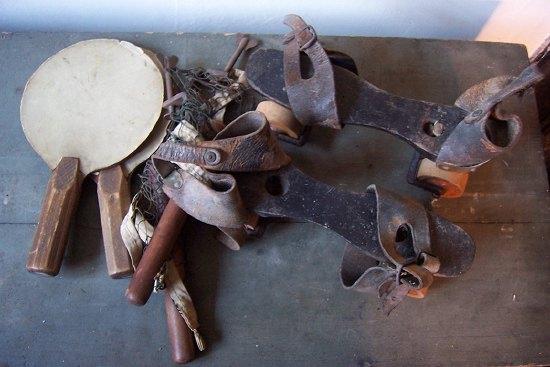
519	21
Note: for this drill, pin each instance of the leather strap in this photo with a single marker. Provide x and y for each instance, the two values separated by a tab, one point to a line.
319	106
218	204
245	145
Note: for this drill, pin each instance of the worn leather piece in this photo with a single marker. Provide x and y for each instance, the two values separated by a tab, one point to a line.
320	105
485	122
218	204
360	272
246	144
404	233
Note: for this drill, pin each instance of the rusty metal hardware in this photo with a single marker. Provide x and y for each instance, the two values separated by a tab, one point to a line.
408	243
460	137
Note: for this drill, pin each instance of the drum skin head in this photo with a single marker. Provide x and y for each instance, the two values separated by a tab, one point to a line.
97	100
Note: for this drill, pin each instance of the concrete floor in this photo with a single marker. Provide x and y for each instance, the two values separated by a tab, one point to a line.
278	301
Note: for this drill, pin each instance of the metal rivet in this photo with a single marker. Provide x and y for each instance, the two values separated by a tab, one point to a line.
433	128
438	128
212	157
178	184
477	113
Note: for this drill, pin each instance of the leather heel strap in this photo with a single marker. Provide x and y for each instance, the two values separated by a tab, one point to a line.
245	145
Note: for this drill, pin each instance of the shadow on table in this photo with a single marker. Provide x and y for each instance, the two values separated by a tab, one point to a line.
202	268
85	241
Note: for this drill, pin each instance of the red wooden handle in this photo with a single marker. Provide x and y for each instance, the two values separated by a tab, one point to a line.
181	338
157	252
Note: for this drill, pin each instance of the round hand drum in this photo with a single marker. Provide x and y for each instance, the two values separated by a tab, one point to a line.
86	108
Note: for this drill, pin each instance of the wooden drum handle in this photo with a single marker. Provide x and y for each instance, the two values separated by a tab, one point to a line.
58	208
113	193
157	252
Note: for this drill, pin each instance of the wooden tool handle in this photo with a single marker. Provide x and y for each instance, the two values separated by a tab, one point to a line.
113	193
181	338
156	253
58	208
